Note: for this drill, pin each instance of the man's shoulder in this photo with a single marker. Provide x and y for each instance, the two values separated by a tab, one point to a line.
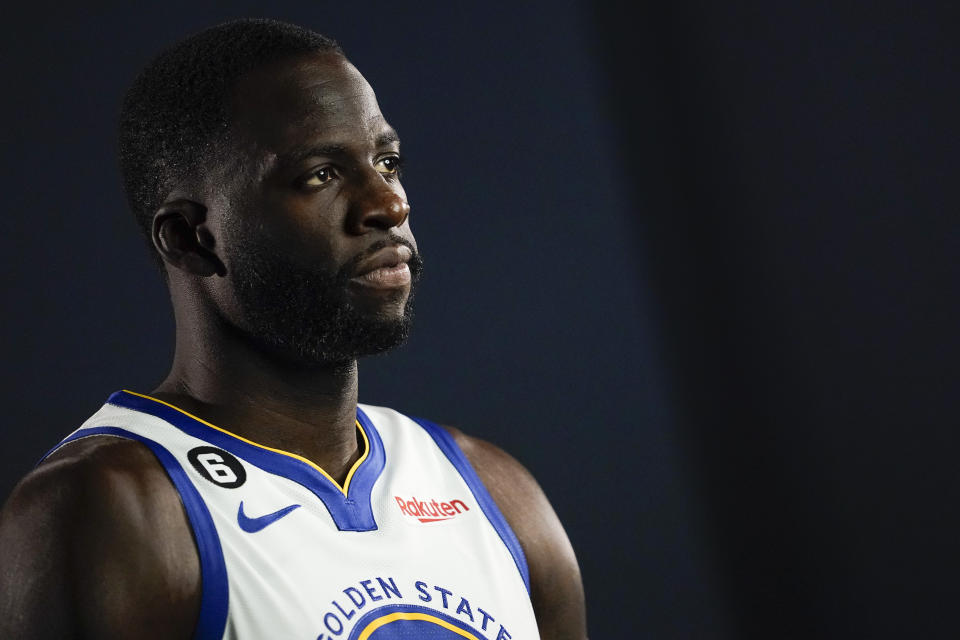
97	528
97	455
99	487
556	589
512	487
81	475
503	475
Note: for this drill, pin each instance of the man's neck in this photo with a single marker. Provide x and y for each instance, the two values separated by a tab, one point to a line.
310	411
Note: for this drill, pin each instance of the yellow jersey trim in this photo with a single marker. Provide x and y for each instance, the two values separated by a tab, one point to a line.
346	483
379	622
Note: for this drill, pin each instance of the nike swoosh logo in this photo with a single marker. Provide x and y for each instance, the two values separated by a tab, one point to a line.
252	525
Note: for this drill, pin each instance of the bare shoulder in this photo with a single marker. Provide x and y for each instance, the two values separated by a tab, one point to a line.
556	588
95	543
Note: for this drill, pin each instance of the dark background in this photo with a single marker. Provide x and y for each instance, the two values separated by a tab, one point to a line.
694	264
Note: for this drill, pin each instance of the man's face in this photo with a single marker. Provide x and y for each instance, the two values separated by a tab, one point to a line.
317	245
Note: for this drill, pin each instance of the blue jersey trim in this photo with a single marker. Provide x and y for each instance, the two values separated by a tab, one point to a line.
456	457
215	592
351	512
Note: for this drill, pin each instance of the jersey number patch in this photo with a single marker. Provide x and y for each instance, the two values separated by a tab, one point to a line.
217	466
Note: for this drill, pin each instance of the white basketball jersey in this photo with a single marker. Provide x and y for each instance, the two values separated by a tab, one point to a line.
412	546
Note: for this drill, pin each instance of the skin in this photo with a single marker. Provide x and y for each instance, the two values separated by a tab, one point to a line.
95	543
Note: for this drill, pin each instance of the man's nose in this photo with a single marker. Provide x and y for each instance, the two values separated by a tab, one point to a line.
376	204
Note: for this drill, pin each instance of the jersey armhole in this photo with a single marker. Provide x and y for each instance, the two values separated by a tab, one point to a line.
458	459
215	593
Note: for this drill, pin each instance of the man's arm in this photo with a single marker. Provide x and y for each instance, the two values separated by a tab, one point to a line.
95	544
556	589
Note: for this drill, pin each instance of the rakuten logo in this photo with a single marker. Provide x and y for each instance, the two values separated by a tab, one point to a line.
431	511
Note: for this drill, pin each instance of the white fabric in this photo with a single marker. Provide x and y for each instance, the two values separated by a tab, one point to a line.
301	578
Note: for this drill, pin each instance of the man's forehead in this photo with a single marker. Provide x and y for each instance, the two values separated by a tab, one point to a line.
309	93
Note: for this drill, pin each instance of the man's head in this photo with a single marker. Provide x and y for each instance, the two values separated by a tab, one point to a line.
258	163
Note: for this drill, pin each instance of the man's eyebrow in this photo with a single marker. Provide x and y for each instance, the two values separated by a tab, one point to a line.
333	149
387	137
302	153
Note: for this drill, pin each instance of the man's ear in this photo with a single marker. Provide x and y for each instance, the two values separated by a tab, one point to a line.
183	240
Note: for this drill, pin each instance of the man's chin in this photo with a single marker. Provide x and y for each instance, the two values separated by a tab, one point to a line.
383	304
327	330
360	338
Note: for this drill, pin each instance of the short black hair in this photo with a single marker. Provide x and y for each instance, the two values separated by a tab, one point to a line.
176	110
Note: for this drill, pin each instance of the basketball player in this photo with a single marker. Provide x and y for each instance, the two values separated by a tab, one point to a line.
249	496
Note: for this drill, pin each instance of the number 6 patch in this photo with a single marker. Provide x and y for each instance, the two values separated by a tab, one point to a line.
217	466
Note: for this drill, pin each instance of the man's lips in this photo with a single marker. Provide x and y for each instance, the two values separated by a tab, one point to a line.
386	269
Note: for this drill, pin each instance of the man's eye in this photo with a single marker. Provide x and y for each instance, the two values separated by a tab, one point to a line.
389	165
319	177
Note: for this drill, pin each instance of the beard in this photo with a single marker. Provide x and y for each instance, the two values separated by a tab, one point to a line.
305	315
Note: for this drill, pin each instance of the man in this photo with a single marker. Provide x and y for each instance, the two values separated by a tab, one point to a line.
249	495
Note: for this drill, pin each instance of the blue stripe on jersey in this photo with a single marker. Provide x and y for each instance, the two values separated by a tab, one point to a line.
215	593
453	452
351	512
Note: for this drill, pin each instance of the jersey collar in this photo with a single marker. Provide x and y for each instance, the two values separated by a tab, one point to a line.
349	505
